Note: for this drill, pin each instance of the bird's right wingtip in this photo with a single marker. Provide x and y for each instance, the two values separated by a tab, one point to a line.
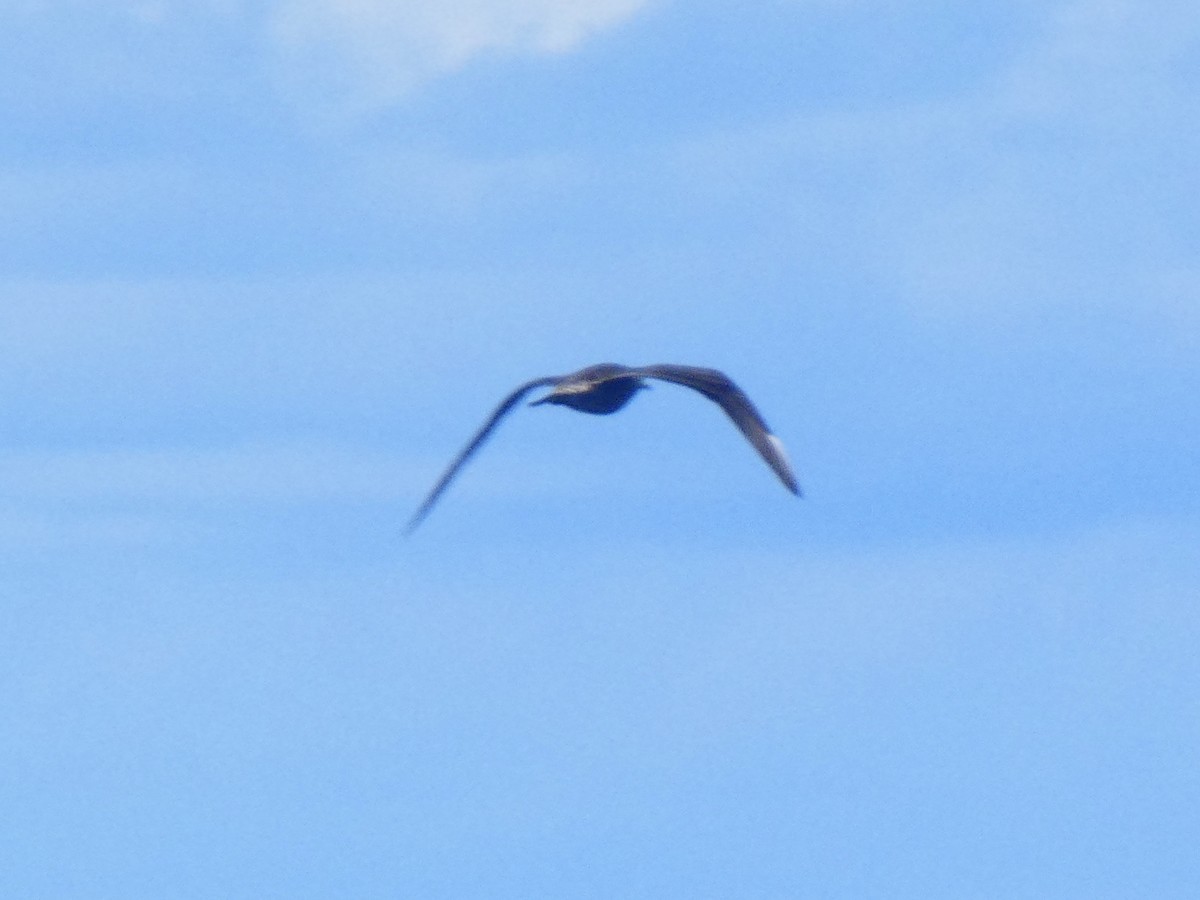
783	466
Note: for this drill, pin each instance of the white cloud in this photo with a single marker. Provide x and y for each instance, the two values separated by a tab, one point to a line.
350	55
381	51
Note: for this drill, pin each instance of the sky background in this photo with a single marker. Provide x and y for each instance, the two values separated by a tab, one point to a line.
265	266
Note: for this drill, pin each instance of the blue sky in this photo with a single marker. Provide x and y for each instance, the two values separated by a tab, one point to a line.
264	266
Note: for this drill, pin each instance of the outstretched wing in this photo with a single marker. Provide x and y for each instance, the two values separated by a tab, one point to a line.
480	436
717	387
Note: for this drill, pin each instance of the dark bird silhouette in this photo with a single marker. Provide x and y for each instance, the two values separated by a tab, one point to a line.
605	388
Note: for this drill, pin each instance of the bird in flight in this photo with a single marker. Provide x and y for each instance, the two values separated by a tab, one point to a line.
604	389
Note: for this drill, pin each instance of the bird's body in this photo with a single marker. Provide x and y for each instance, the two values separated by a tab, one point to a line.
605	388
599	390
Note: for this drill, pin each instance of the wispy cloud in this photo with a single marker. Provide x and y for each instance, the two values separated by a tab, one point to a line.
867	617
1052	182
244	473
350	55
1111	64
378	52
1064	172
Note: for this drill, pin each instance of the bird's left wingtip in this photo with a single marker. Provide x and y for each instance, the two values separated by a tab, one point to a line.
414	522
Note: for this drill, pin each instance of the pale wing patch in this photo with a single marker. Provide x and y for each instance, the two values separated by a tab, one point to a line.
777	446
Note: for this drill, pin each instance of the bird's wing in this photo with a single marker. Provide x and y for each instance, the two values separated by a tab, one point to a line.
480	436
717	387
